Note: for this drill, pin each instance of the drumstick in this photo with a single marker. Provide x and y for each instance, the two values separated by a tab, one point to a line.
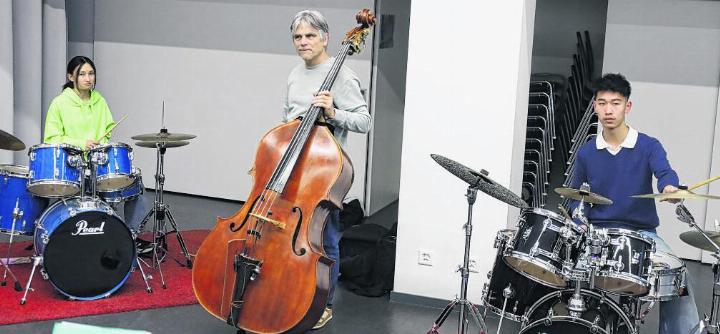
112	127
698	185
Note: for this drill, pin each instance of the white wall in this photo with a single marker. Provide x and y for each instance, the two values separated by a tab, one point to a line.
670	52
462	86
221	67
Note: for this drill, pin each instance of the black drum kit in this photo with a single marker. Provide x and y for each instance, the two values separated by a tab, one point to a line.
65	200
551	275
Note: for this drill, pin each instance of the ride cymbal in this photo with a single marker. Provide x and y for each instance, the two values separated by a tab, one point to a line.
162	144
579	194
680	194
480	180
697	240
10	142
163	137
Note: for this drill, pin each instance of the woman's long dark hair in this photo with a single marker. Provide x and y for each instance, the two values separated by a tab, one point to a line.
74	65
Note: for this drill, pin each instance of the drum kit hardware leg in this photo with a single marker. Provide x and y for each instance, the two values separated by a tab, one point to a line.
462	302
17	216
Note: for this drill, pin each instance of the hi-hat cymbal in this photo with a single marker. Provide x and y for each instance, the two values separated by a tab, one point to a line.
10	142
680	194
578	194
162	144
163	136
697	240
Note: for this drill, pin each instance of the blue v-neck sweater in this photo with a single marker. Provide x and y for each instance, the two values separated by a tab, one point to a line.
620	176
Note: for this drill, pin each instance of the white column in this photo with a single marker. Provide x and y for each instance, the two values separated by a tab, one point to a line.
464	68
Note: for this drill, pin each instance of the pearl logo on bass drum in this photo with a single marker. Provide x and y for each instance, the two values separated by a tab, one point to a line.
83	229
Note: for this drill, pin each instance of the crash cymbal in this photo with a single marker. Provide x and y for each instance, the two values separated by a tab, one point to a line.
161	144
680	194
163	136
579	194
10	142
697	240
480	180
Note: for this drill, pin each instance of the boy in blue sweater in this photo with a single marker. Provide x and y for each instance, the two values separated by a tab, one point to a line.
619	163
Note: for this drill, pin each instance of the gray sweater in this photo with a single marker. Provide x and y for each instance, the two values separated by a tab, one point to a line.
351	112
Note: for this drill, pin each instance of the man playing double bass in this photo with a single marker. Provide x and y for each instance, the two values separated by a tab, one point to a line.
344	109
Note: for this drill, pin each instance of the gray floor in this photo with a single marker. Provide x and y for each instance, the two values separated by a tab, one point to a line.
353	313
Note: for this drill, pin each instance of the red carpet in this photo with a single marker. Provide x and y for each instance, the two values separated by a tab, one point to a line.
44	303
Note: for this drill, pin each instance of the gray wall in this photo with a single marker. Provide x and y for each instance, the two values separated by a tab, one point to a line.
556	22
388	104
670	52
221	68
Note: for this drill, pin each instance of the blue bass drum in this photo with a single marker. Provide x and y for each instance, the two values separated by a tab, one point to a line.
16	203
87	250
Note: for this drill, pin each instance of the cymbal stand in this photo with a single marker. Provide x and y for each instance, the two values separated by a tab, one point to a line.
709	323
17	216
465	305
159	212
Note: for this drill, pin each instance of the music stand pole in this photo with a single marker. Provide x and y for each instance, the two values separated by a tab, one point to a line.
465	305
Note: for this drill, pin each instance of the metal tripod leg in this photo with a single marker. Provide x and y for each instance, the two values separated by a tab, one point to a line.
36	261
145	277
180	239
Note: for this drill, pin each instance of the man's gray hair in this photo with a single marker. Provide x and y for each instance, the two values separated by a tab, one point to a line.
312	18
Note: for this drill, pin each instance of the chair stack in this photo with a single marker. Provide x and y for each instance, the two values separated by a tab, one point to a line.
559	116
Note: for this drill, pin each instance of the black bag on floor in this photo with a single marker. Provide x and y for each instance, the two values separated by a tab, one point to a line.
367	266
352	214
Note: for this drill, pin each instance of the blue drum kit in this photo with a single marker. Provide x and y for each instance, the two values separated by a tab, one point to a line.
552	276
65	200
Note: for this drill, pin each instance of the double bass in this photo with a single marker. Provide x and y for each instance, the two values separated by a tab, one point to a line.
264	270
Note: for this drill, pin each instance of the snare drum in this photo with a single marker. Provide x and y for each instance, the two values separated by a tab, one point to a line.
508	293
55	170
87	250
667	278
625	262
18	208
542	244
114	166
126	194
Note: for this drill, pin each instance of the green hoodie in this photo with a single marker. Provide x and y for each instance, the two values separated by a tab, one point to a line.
71	120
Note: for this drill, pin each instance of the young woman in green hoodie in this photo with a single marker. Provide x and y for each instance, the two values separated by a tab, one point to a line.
79	115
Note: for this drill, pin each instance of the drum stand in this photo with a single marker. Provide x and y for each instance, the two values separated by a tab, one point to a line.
465	305
17	216
709	324
159	212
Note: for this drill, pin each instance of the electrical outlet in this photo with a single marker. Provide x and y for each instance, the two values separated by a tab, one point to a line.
425	257
473	266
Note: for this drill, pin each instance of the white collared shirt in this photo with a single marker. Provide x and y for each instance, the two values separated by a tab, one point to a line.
629	141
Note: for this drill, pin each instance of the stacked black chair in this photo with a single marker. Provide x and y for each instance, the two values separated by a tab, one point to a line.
560	119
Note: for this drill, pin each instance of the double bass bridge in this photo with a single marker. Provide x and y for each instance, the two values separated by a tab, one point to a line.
264	219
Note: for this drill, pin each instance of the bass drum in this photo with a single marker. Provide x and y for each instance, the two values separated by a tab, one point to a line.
550	314
87	249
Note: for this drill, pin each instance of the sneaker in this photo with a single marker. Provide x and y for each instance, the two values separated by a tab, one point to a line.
324	319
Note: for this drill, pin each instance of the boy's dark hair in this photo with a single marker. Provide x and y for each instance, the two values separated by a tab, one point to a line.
612	82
